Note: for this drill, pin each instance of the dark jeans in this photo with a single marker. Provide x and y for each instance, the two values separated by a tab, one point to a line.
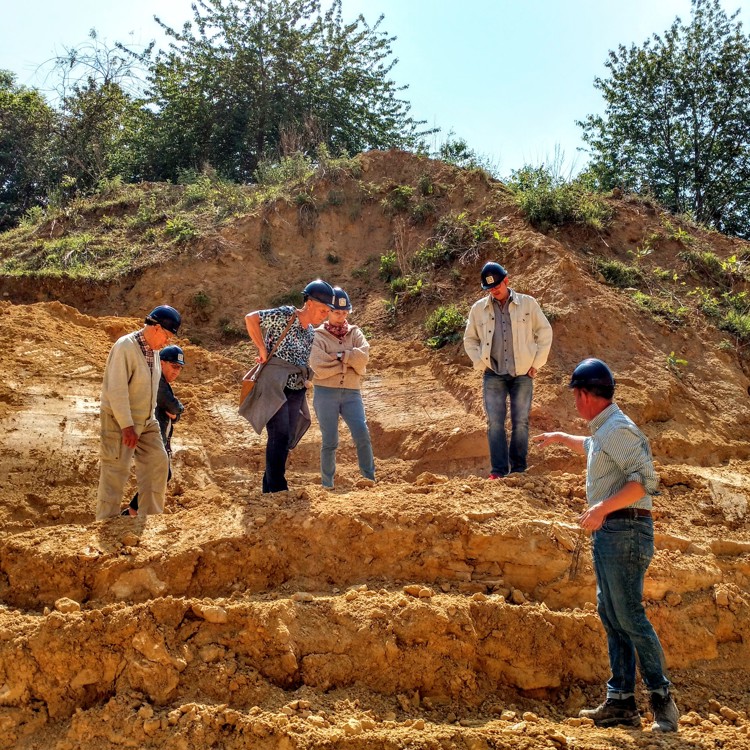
497	391
280	428
622	549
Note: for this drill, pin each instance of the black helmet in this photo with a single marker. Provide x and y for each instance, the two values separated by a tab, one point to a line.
320	291
592	372
342	299
166	317
172	354
492	275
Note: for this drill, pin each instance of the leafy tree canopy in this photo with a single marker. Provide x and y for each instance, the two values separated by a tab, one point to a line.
26	127
677	119
249	79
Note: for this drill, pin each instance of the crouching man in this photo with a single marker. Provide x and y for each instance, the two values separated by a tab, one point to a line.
620	480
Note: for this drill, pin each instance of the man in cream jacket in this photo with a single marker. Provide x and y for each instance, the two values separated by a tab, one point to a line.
128	426
508	339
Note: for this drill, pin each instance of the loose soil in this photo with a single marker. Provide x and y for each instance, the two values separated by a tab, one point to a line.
437	609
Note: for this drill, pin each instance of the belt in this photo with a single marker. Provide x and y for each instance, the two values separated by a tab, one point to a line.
630	513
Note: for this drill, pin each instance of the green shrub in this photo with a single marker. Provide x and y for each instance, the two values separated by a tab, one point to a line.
336	168
198	191
33	217
108	187
147	213
708	304
550	200
180	229
408	286
69	252
704	264
425	185
736	323
201	300
662	308
293	168
365	272
677	233
444	326
398	198
739	302
389	267
707	266
458	238
618	274
433	255
422	210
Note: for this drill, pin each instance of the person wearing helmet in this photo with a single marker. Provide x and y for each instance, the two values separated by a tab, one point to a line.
277	402
620	483
339	357
168	407
508	339
129	429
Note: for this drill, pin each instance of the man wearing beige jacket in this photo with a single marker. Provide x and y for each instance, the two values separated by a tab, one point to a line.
508	339
129	428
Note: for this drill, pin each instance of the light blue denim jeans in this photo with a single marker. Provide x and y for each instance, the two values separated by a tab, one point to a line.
329	403
497	391
622	550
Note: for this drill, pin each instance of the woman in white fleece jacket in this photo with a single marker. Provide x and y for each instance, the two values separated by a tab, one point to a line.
339	357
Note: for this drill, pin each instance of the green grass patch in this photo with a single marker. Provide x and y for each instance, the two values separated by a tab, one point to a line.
663	309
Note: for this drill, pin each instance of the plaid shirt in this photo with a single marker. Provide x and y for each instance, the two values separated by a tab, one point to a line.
148	352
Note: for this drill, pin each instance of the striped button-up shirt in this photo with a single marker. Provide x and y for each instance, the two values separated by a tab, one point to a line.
617	452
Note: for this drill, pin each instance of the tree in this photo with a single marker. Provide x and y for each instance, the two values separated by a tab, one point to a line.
99	111
249	79
27	126
677	119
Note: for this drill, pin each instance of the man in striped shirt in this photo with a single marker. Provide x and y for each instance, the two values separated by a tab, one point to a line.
620	480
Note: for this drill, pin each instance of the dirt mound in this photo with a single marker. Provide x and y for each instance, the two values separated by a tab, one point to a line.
435	610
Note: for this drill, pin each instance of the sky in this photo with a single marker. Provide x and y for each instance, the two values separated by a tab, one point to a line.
511	77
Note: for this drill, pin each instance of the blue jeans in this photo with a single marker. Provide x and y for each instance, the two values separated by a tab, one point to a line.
497	390
281	428
622	550
328	404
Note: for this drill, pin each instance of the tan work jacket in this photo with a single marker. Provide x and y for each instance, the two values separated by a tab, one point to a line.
532	333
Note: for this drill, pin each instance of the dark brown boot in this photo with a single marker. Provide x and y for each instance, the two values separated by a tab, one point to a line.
665	712
613	712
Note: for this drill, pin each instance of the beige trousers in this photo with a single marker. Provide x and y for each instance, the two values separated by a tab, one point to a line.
151	468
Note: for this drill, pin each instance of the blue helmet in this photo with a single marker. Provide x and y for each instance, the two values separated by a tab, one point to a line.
592	372
172	354
166	317
320	291
342	299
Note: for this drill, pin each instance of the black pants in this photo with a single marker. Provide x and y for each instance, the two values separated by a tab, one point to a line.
281	428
